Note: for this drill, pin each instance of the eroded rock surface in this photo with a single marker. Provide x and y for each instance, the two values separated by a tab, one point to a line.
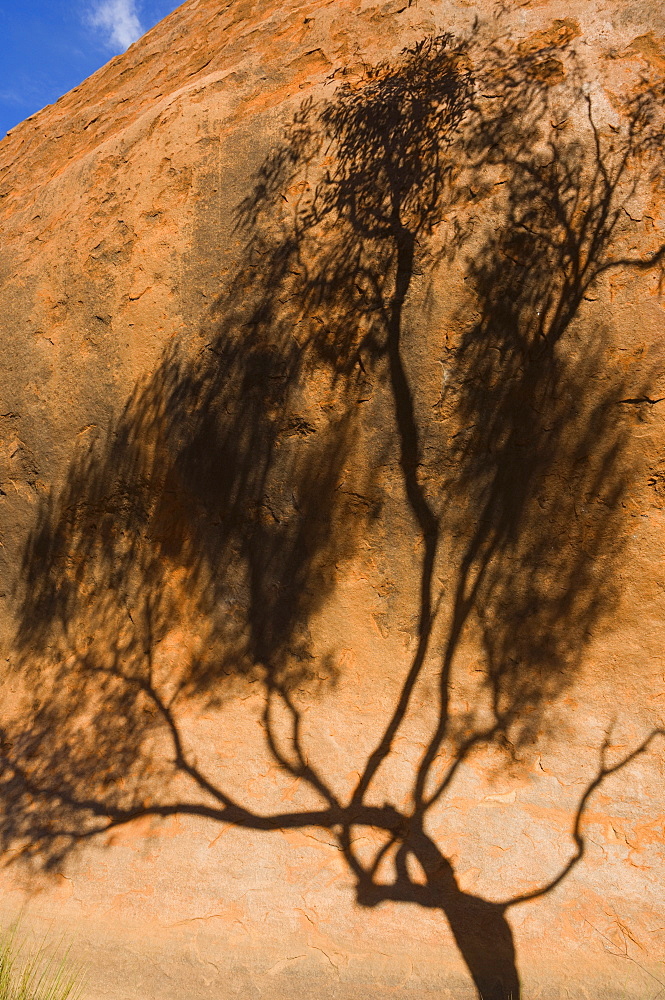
332	476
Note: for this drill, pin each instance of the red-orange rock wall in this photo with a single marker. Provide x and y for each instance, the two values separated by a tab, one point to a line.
127	596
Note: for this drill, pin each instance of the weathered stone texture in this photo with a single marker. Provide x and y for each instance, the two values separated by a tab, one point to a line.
267	451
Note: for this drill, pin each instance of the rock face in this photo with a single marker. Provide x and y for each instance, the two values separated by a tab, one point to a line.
332	476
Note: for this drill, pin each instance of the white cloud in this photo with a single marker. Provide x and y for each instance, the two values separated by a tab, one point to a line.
119	19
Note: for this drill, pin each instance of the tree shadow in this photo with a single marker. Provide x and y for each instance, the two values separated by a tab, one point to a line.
225	500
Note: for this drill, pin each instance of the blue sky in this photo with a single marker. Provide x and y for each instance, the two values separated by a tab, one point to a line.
50	46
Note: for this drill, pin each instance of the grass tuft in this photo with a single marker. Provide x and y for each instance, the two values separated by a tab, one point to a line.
39	975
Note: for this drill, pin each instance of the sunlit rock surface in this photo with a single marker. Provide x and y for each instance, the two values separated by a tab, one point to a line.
332	476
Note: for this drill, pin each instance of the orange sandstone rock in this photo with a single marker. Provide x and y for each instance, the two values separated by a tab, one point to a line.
332	504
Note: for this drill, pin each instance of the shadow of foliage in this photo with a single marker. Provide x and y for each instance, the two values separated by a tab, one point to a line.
225	500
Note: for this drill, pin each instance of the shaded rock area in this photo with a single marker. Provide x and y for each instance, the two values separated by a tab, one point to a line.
332	473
